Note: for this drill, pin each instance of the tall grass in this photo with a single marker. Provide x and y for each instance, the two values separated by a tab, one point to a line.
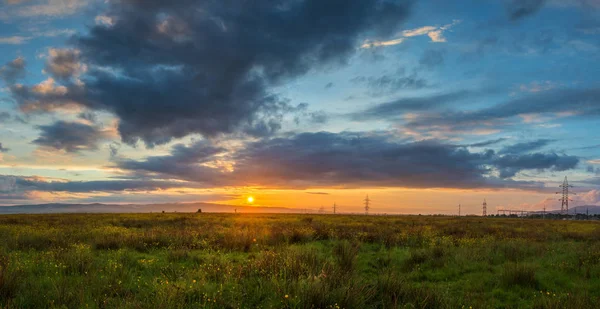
295	261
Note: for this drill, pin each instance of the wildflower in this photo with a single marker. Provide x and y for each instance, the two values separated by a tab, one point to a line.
286	296
194	281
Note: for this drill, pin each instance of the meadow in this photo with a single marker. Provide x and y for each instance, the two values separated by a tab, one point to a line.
177	260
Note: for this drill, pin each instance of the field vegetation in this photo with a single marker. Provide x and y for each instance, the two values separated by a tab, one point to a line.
296	261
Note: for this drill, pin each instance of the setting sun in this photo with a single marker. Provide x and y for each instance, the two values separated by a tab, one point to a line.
250	199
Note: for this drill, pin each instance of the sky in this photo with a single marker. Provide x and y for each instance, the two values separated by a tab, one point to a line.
421	105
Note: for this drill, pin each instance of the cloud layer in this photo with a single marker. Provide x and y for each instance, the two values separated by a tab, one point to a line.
170	69
345	160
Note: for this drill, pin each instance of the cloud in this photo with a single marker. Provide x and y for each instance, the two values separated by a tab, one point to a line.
525	147
518	9
18	188
14	40
13	2
591	197
104	20
390	83
581	103
12	71
371	44
396	109
432	58
433	32
19	40
323	159
94	186
4	117
45	8
70	136
418	31
487	143
538	86
64	63
3	149
511	164
168	69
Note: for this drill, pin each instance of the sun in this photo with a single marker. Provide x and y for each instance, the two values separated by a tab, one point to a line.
250	199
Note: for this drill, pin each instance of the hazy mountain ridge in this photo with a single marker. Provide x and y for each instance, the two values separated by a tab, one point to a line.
592	209
138	208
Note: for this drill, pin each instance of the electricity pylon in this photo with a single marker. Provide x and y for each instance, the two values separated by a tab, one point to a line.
484	208
564	206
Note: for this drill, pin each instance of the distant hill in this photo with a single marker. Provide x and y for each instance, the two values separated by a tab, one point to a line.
137	208
593	210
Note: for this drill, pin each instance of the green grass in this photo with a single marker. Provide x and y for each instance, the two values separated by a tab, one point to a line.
296	261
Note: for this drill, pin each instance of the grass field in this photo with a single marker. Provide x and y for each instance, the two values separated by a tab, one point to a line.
296	261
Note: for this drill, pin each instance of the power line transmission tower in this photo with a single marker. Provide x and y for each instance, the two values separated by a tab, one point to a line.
484	208
367	205
334	208
564	206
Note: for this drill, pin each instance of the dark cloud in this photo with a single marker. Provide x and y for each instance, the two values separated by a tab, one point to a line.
395	109
27	184
17	188
91	117
511	164
184	162
168	69
518	9
12	71
345	160
580	102
319	117
114	150
5	116
303	114
487	143
390	83
3	149
431	59
329	85
525	146
70	136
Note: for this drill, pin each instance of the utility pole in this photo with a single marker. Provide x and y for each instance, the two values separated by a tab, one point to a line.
564	206
484	208
544	213
367	205
459	210
334	208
